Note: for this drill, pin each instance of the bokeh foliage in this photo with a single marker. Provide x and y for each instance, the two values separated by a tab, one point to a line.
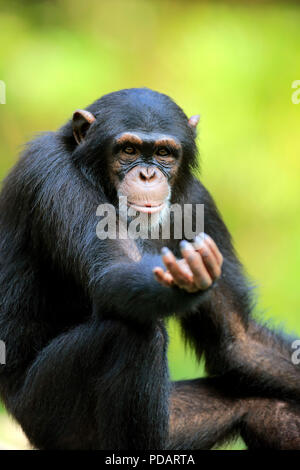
233	63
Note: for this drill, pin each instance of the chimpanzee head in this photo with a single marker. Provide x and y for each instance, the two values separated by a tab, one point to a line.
136	143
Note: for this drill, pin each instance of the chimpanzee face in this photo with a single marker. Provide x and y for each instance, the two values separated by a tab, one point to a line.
143	167
144	137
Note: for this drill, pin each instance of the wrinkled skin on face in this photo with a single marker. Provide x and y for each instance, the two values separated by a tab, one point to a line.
143	168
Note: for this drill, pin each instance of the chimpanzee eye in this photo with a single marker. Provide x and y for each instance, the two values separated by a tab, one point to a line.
129	150
163	152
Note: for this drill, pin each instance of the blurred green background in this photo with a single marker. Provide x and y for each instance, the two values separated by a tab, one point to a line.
233	63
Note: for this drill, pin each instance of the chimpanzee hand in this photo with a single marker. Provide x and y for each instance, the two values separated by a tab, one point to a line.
199	268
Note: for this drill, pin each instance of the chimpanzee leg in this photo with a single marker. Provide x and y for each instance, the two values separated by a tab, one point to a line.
272	424
203	415
102	385
136	380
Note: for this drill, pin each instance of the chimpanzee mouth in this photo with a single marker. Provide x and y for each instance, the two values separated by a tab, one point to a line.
148	208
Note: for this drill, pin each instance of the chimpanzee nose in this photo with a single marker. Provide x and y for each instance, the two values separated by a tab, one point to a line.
147	174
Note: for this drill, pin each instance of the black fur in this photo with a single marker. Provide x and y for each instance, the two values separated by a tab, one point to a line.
84	324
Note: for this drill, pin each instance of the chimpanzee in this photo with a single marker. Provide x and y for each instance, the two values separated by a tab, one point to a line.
83	318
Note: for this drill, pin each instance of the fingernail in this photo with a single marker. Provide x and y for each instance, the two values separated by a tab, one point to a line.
184	245
199	241
202	235
165	251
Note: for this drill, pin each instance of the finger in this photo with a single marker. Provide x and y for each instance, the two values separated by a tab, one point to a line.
213	246
162	277
209	258
185	267
180	276
159	276
201	276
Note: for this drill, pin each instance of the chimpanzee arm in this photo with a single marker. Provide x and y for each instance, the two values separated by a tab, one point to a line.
62	228
132	287
251	356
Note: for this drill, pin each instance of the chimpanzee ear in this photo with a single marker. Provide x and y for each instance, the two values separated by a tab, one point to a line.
82	120
194	120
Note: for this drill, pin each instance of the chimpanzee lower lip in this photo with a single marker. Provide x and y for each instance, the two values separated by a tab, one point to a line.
147	209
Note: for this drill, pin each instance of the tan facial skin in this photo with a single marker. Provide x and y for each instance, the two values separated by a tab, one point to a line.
146	187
